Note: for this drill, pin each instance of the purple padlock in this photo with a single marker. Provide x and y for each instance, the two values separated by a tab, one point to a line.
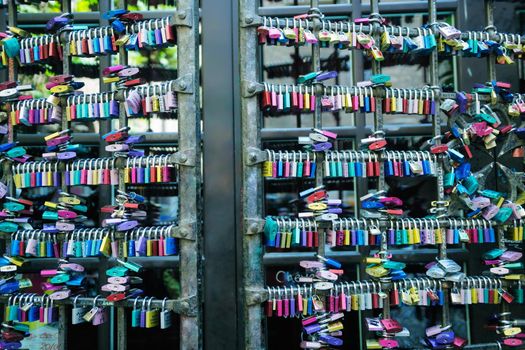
510	255
58	140
136	153
335	210
113	108
10	346
3	190
135	139
49	228
490	211
330	340
432	343
321	146
312	328
65	226
66	155
128	225
446	337
480	202
326	76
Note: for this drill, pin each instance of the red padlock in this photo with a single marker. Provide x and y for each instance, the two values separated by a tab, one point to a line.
61	79
437	149
317	196
134	82
7	85
377	145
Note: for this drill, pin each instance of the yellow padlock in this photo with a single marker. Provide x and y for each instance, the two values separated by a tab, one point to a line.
317	206
109	80
511	331
58	89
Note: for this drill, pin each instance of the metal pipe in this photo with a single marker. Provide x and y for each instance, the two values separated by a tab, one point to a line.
188	64
251	183
489	22
345	9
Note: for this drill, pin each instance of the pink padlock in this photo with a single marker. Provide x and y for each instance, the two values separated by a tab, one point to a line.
459	342
510	255
60	295
48	273
513	342
118	280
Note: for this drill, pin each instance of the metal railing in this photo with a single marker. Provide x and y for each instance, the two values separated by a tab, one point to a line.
254	257
186	21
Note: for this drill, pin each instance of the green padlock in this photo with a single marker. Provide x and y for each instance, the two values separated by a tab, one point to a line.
16	152
519	293
483	90
25	283
50	215
493	254
60	278
485	117
14	206
491	194
380	78
471	185
513	266
80	207
117	271
8	227
21	327
270	231
130	265
448	179
503	215
11	47
304	78
394	265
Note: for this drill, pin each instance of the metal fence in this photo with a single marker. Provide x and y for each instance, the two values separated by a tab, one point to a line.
254	257
187	159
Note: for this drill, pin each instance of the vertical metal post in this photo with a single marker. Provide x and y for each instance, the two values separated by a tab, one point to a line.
188	64
251	183
62	309
221	166
436	130
318	113
12	71
491	29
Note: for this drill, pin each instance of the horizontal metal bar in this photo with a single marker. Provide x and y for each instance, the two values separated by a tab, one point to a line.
170	304
94	138
157	262
293	258
346	9
81	17
354	257
391	130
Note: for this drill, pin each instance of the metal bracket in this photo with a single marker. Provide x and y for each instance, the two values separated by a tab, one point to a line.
183	157
183	18
184	84
255	296
185	230
186	306
251	88
255	156
254	225
251	21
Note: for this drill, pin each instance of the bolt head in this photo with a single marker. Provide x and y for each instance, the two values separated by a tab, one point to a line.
183	158
248	19
182	14
182	85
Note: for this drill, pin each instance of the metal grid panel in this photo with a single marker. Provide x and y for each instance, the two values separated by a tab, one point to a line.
252	187
188	138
